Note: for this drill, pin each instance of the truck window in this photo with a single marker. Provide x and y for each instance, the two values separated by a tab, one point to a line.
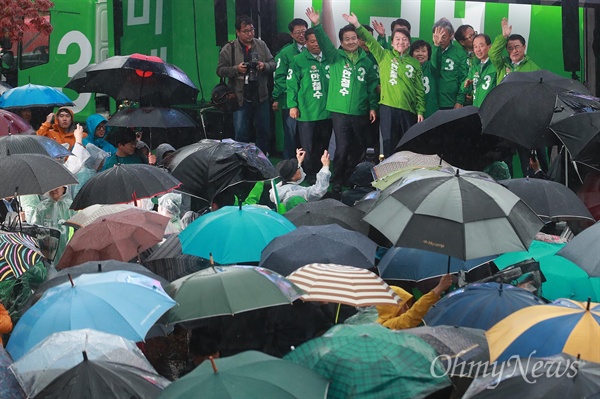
34	47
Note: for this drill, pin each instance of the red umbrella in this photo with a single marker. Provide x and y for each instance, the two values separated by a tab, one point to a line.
120	236
13	124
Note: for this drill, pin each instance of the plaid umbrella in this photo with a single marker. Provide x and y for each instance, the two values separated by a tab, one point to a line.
343	284
404	159
93	212
18	252
370	361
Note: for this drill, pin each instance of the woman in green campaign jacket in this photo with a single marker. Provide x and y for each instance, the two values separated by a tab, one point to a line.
482	74
402	101
421	51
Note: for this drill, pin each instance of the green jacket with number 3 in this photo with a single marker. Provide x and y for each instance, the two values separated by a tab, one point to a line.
307	86
484	80
400	76
453	67
352	85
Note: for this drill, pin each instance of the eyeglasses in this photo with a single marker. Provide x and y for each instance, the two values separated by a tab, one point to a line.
101	127
512	48
299	32
246	31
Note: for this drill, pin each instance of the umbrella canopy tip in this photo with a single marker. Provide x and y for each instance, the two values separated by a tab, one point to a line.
85	356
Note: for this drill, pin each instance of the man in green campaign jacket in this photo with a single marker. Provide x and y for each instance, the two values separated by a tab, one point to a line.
451	60
482	74
402	101
352	97
307	86
516	60
297	28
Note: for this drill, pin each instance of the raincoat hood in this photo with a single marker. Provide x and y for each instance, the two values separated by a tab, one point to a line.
92	123
56	127
160	152
387	312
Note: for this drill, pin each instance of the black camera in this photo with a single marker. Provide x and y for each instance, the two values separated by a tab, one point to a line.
533	155
252	71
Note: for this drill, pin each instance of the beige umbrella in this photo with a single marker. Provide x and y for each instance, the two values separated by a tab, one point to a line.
324	282
93	212
404	159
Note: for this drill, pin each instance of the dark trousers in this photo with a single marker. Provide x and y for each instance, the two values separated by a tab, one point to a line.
314	139
290	135
349	131
259	114
394	123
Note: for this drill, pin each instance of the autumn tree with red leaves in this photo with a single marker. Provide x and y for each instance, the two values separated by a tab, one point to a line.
13	14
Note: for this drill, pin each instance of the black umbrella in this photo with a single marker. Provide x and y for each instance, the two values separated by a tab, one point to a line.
583	250
455	135
31	174
152	117
103	379
577	126
169	262
523	106
146	79
123	184
549	200
208	167
32	144
328	211
318	244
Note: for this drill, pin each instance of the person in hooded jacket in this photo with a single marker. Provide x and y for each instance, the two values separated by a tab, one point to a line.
163	151
60	127
53	211
291	173
407	316
96	128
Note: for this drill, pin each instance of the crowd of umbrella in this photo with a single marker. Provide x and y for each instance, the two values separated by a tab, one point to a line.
77	336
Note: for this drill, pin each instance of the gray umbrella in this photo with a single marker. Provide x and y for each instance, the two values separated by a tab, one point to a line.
318	244
560	376
461	216
31	144
328	211
583	250
549	199
31	174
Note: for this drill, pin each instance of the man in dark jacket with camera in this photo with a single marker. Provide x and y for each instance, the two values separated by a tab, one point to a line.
248	71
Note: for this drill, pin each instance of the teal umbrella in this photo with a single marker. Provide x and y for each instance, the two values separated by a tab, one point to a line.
564	279
249	374
234	234
371	361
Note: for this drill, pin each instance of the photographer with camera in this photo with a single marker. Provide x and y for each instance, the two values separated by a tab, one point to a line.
248	70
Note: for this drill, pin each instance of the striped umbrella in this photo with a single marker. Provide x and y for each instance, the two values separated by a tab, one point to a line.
18	252
565	326
324	282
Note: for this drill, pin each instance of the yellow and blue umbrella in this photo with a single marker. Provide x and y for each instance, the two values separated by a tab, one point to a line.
565	326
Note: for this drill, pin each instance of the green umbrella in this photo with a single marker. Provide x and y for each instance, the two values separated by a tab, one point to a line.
370	361
227	290
247	375
564	279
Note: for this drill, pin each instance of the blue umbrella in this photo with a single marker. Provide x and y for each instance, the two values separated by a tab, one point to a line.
233	234
31	95
480	305
119	302
410	264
